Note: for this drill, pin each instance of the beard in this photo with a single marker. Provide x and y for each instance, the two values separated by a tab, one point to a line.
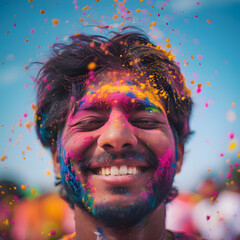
117	215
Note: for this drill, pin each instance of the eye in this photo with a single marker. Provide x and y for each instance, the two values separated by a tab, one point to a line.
89	125
145	123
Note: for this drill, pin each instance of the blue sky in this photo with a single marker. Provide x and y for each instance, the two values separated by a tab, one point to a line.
207	30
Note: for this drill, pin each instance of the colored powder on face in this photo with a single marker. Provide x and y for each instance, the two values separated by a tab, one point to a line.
146	95
131	95
173	165
68	176
153	109
79	192
100	234
164	162
163	174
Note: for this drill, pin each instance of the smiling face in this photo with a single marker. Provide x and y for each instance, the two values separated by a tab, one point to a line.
116	154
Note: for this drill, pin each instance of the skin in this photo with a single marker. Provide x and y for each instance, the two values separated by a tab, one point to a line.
94	137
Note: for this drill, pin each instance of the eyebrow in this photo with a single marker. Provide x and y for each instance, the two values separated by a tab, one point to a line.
94	106
128	106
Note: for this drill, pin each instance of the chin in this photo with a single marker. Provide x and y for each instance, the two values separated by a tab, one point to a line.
121	215
125	211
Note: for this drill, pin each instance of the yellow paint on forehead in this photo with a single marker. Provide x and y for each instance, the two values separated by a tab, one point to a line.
150	93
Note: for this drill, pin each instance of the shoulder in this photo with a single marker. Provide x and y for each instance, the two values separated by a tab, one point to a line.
183	236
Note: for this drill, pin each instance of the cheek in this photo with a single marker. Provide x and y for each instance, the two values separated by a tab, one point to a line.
77	144
157	141
166	165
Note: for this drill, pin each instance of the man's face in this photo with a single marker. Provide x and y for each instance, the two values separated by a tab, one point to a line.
117	151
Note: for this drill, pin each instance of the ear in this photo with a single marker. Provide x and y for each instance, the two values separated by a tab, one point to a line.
56	162
180	149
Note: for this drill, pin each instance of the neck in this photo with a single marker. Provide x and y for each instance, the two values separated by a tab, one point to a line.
152	228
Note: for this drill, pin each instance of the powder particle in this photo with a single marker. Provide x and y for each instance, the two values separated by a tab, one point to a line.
209	21
55	22
85	8
42	11
3	158
232	145
92	66
168	45
52	232
115	17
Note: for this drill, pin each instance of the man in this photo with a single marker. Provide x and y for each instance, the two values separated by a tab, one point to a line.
115	114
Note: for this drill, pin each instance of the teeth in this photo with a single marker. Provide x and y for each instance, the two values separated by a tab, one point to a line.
123	170
114	171
130	171
118	171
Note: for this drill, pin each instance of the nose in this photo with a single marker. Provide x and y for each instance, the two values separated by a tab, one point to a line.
117	134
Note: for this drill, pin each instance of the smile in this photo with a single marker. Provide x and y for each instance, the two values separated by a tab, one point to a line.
118	170
120	175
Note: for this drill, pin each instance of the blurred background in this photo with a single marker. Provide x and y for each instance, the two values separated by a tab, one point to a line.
203	35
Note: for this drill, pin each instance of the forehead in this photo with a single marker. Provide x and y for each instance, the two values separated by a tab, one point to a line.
119	88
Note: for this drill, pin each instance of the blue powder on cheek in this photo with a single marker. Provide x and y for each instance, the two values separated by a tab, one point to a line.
174	165
68	178
82	197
